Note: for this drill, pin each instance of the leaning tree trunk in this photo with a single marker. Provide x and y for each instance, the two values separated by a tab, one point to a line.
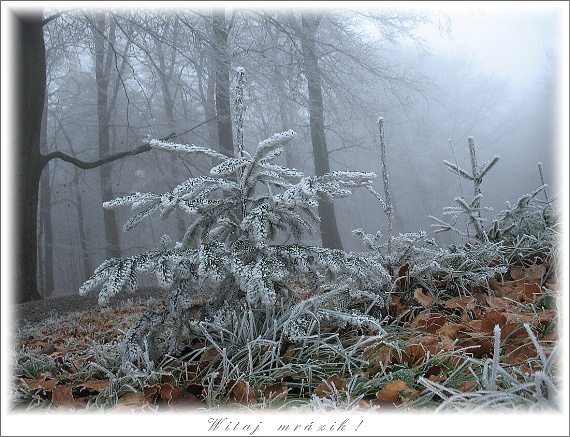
30	92
328	227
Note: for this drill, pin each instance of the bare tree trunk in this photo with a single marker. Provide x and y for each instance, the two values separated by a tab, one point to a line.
220	27
165	73
45	261
309	24
30	94
103	62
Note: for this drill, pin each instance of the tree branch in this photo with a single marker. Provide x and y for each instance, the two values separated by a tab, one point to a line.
94	164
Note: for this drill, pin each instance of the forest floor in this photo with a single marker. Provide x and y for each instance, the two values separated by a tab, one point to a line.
38	311
436	336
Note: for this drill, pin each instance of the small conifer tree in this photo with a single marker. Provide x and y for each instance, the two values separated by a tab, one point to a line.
237	213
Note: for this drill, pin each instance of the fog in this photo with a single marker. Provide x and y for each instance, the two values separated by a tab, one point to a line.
437	77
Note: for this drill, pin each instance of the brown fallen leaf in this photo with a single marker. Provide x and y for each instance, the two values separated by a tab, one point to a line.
491	319
48	349
332	384
41	383
432	323
243	394
168	391
379	358
394	391
130	402
402	274
95	386
61	395
276	391
466	386
183	399
451	330
531	291
209	354
424	299
464	303
419	346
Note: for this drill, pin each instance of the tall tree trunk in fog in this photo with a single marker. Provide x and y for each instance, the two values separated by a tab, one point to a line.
30	93
309	24
220	28
104	60
166	73
45	224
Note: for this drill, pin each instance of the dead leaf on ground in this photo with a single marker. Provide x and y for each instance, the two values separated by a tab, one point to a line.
478	346
379	357
424	299
491	319
276	391
48	349
419	346
451	330
95	386
432	324
61	395
466	386
130	401
41	383
531	291
464	303
394	391
530	274
242	393
332	384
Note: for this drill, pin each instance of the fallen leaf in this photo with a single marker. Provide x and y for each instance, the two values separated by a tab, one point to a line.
491	319
243	394
332	384
209	354
499	303
424	299
276	391
289	353
397	308
432	323
420	319
95	386
48	349
402	274
130	401
379	357
61	395
517	272
168	391
466	386
531	291
183	399
43	383
451	330
419	346
394	391
478	346
464	303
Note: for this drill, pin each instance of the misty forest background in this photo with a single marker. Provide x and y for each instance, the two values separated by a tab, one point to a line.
116	79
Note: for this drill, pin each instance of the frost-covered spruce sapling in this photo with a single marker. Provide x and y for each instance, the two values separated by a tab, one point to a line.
472	209
237	213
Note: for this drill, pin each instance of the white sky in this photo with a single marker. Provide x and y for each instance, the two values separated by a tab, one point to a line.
510	39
